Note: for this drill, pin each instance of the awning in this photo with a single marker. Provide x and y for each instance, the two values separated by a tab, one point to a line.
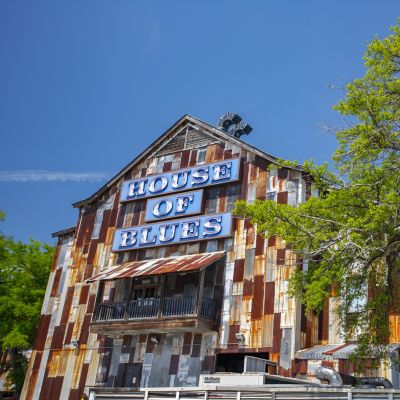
345	352
316	352
159	266
334	351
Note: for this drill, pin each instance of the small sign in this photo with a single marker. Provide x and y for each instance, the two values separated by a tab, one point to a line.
206	227
176	205
232	379
178	181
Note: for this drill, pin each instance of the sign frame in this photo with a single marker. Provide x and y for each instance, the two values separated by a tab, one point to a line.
197	206
118	232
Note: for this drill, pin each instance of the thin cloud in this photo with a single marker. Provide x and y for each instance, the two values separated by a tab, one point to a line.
51	176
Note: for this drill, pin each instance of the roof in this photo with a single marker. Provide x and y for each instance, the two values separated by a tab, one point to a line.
315	353
145	153
335	351
64	232
159	266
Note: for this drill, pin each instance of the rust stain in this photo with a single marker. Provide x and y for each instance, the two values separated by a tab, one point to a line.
34	366
258	298
238	271
282	197
269	297
42	331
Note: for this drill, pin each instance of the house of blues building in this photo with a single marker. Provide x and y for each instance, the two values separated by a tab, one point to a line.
159	282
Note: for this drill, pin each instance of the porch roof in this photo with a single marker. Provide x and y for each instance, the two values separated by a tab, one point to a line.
159	266
336	351
316	352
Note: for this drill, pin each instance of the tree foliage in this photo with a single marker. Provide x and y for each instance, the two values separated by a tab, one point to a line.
24	271
350	234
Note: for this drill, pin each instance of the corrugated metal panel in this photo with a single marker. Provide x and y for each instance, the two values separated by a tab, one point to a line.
316	352
254	314
160	266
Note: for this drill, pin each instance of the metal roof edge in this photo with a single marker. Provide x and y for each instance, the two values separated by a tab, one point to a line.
63	232
144	153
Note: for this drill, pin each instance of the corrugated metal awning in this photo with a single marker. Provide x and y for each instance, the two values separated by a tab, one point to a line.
336	351
315	353
345	352
159	266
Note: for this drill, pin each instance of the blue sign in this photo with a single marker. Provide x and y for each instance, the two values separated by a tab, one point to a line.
185	179
176	205
180	231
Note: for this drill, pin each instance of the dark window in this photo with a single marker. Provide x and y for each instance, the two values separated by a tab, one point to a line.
144	293
212	200
232	193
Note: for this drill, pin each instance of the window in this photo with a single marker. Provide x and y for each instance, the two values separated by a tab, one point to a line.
232	193
201	155
212	200
142	293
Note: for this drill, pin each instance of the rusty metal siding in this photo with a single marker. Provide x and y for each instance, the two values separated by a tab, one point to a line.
258	267
258	299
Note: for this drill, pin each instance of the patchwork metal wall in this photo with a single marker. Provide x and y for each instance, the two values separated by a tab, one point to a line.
253	291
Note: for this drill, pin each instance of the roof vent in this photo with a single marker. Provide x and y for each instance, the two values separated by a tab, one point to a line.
232	124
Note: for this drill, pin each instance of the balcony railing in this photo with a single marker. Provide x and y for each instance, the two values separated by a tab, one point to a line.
145	308
109	312
167	307
176	306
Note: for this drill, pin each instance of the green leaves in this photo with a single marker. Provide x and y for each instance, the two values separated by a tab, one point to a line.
350	235
24	271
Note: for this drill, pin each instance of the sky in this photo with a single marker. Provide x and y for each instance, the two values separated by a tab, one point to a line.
85	86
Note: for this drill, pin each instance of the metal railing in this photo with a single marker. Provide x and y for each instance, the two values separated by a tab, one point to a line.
177	306
207	309
153	308
273	392
145	308
109	312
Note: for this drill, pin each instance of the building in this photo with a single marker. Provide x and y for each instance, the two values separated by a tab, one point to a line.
159	282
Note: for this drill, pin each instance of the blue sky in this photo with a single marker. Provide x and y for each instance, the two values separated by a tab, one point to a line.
86	85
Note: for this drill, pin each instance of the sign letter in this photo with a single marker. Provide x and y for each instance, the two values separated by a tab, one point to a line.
182	203
136	188
162	208
163	184
212	226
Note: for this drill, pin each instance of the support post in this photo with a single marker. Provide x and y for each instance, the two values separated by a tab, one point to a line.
162	294
200	293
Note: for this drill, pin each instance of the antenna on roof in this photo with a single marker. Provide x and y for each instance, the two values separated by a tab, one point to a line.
232	124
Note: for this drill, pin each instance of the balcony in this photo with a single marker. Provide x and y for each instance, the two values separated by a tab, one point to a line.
176	294
178	312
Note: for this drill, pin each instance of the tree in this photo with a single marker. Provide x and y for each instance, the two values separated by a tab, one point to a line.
350	234
24	271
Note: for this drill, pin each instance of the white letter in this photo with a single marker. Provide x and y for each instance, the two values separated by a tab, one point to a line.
222	171
163	232
159	211
175	179
144	238
190	229
183	203
128	238
137	188
152	185
200	176
212	226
